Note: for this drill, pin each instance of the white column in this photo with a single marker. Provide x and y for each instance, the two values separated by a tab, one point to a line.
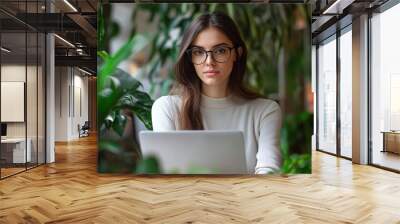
50	94
360	90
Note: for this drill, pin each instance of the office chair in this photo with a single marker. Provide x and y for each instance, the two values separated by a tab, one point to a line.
84	130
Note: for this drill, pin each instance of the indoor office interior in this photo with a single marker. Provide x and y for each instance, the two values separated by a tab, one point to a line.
49	150
51	67
48	80
355	66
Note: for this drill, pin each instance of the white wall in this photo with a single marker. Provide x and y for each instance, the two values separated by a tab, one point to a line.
33	126
16	73
61	103
71	93
80	93
10	73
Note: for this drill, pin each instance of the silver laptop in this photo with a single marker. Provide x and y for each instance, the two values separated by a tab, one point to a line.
200	152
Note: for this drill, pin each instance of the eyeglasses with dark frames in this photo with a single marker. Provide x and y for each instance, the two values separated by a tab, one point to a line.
219	54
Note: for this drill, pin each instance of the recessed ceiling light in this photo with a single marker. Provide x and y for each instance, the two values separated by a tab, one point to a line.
5	49
70	5
86	72
337	7
64	40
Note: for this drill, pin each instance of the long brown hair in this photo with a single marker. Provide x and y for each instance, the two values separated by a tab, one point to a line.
188	84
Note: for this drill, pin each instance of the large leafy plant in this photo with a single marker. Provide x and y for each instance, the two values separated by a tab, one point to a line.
296	135
119	97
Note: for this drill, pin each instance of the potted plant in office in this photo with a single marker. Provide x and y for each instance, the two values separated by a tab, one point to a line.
119	92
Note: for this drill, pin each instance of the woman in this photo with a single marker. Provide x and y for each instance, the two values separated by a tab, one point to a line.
210	93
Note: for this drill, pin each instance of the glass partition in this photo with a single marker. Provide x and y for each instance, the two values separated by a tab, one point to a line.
31	100
13	95
22	89
41	86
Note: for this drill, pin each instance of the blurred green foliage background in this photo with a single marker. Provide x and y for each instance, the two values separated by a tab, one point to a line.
279	67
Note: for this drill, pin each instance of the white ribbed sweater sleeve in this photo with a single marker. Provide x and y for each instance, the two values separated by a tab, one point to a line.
268	155
161	115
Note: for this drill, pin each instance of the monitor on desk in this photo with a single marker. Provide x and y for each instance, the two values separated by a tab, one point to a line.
3	130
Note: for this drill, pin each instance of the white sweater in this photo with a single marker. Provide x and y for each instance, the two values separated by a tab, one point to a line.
259	120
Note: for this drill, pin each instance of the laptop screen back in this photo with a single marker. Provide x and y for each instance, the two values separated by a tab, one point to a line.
201	152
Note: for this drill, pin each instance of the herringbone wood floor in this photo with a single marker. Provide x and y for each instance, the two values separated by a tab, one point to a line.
70	191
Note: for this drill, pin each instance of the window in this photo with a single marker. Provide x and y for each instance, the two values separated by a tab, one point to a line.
327	95
346	92
385	88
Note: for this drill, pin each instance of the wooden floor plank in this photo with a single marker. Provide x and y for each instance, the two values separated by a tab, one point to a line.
71	191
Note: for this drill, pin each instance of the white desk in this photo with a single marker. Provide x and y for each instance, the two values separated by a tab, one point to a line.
19	149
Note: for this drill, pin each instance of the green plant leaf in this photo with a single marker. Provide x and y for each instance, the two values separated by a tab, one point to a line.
213	7
231	11
119	122
148	165
134	45
101	27
114	30
111	146
103	54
